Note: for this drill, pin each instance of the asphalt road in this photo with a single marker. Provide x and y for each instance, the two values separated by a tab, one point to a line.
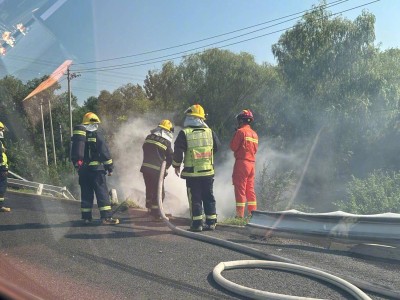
46	252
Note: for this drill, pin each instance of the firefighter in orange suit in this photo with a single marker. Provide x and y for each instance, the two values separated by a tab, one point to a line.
156	149
244	146
92	159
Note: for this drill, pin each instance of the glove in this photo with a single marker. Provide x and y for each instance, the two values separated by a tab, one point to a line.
4	174
177	171
78	164
109	169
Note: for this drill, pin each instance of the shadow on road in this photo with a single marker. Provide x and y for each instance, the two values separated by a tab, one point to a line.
192	289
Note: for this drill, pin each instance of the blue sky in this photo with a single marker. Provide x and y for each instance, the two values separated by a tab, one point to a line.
123	28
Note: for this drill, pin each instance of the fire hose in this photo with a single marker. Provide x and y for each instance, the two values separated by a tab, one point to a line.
350	285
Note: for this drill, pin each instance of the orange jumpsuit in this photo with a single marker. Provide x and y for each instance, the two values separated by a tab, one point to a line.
244	145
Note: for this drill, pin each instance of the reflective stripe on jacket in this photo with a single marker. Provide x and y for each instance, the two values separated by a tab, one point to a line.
180	150
244	143
156	149
199	153
97	154
3	158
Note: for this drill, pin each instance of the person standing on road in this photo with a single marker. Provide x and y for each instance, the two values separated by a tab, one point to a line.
92	159
195	147
156	149
3	171
244	145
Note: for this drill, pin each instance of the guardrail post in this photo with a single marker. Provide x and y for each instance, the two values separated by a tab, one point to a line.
39	189
113	196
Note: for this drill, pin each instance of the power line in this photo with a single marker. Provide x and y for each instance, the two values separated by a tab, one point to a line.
48	63
31	60
161	58
334	3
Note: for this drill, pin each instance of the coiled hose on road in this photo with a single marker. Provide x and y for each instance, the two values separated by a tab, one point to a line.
348	284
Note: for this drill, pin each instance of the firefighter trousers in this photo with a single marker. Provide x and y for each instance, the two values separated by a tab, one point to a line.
94	183
243	181
200	194
151	183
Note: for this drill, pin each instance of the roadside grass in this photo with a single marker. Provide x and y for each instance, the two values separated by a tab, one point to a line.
27	191
125	205
234	221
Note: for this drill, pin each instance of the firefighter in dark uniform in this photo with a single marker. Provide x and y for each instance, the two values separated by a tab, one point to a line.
3	171
92	159
156	149
195	146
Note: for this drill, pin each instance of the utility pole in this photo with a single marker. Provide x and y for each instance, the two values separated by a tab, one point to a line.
69	77
61	136
52	135
70	101
44	134
61	142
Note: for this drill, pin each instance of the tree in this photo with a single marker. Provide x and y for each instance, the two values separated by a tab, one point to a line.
91	104
334	78
164	88
126	101
224	83
326	60
12	91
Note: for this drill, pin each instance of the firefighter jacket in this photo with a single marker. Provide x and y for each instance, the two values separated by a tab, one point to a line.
156	149
3	158
195	147
244	143
97	156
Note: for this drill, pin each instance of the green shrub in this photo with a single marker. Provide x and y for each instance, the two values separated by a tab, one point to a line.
378	193
275	188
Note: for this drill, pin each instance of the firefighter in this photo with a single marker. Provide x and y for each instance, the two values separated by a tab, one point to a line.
195	146
92	159
3	171
156	149
244	145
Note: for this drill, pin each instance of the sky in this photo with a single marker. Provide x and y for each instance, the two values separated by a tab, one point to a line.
99	34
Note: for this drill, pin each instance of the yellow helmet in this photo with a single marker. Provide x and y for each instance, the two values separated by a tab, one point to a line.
90	118
167	125
1	126
196	110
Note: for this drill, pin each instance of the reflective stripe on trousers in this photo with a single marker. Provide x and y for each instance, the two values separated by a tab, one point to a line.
200	195
94	183
243	181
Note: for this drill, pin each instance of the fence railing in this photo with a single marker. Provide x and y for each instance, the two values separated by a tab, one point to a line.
39	188
379	228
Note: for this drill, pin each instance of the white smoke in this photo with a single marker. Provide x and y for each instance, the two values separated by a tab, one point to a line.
223	188
126	148
128	155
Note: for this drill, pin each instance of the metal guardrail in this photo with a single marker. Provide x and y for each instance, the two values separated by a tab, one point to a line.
40	188
379	228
